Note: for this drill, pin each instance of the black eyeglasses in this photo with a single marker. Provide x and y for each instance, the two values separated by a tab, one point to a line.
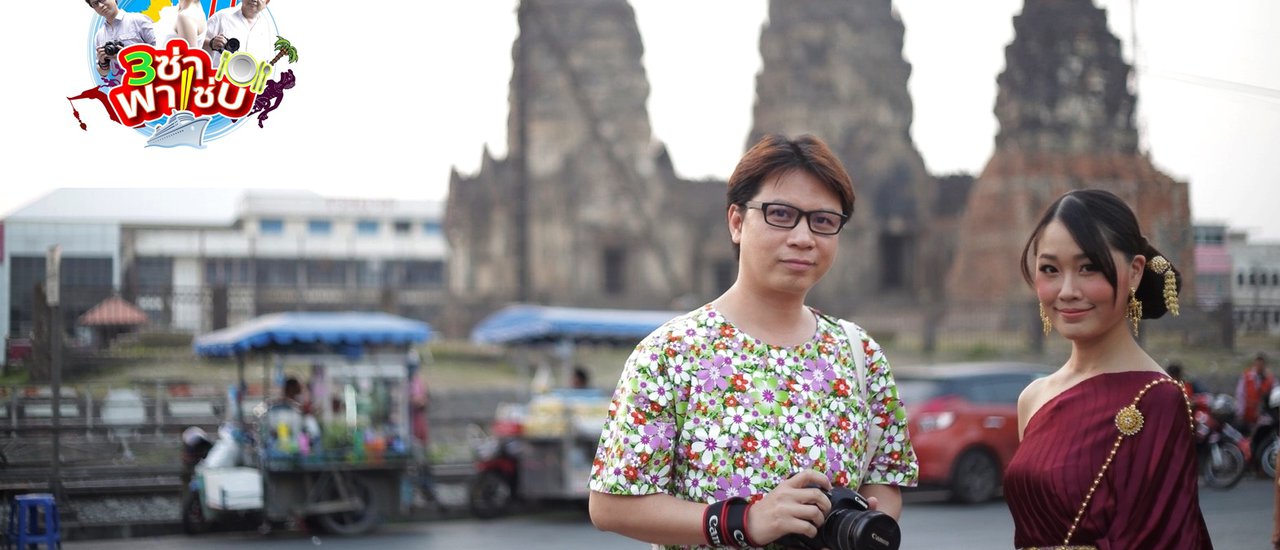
822	222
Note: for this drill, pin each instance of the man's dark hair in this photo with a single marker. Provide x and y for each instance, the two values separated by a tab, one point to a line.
292	388
581	378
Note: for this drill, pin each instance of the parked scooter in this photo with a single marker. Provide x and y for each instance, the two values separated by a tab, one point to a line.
1222	450
202	454
497	454
1265	440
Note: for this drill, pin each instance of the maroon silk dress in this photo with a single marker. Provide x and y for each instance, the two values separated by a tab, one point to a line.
1148	497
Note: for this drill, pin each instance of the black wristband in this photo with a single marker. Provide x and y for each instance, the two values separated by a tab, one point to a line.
712	518
724	523
736	523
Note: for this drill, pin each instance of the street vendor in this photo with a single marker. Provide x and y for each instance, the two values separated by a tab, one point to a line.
288	420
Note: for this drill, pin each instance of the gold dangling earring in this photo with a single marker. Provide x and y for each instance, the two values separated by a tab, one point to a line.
1045	323
1134	313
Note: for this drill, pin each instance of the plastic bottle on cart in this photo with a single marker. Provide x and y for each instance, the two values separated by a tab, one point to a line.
304	444
357	447
283	442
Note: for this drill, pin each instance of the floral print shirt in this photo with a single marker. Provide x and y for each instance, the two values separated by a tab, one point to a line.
704	412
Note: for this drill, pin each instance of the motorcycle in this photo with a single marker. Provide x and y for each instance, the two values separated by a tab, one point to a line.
201	453
492	490
1222	450
1266	436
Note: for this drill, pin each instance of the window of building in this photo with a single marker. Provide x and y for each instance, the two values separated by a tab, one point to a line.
326	272
432	228
615	268
402	227
367	227
1275	279
271	227
87	272
369	273
226	271
893	261
319	227
423	274
1212	235
1240	279
153	273
277	272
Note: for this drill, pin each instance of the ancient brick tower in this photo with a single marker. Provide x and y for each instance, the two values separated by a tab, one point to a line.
1066	122
834	68
586	210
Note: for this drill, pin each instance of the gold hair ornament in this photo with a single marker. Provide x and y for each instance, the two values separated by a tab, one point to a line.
1160	266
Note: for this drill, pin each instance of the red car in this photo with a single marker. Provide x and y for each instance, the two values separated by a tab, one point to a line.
963	421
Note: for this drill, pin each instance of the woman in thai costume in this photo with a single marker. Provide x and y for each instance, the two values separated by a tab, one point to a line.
1107	458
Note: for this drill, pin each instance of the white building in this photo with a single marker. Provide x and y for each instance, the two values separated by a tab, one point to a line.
200	259
1255	290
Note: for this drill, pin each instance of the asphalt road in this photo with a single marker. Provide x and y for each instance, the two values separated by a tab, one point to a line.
1238	519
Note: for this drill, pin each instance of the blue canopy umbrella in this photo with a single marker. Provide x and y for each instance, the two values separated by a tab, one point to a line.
349	332
530	324
307	332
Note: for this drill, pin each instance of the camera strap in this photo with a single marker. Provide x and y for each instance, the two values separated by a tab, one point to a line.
859	359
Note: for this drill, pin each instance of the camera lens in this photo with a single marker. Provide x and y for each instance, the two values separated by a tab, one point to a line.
848	529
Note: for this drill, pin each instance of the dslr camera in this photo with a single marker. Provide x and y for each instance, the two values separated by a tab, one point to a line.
110	49
850	525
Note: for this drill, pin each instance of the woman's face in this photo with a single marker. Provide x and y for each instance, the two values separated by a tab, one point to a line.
776	259
1075	294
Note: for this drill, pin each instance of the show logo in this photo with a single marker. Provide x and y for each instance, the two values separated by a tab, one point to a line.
186	74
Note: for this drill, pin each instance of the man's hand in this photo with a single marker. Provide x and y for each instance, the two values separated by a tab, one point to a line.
218	42
794	506
104	61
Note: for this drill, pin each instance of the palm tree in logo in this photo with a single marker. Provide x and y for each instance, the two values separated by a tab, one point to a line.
283	48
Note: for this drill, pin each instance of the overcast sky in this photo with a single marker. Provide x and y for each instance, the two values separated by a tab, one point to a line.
385	107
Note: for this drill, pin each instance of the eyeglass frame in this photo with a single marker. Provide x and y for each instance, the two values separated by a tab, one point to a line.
763	208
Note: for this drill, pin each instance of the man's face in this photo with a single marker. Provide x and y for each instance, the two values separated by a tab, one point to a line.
105	8
251	8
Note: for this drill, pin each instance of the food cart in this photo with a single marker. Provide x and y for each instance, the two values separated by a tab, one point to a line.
558	429
346	461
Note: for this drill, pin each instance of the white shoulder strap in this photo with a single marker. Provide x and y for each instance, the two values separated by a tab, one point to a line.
859	358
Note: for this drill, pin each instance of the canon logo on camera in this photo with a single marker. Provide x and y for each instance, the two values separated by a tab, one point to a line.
713	531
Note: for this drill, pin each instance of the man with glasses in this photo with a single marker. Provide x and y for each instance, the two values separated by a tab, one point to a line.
119	30
732	424
244	28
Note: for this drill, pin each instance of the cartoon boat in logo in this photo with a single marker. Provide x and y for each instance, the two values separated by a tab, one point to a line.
182	128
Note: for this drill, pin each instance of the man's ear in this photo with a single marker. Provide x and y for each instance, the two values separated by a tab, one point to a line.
735	218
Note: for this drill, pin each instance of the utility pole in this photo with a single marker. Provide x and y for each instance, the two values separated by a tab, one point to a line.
53	295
